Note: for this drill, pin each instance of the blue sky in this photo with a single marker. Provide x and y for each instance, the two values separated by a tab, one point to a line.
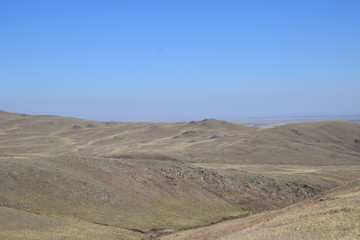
179	60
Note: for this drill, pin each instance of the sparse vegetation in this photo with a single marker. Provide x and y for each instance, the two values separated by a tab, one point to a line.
126	180
335	217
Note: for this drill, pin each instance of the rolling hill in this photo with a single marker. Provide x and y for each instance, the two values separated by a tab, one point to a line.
211	141
141	179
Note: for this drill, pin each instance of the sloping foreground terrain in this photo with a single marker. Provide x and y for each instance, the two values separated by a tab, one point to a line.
16	224
142	195
140	180
335	215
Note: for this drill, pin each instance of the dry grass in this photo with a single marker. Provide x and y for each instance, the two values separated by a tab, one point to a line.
126	175
335	216
131	194
209	141
16	225
341	174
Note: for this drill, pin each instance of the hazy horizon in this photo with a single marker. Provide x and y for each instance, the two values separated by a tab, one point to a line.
180	60
251	120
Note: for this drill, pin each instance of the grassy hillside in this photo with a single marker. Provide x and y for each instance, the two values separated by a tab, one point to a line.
16	225
143	194
144	178
136	194
334	215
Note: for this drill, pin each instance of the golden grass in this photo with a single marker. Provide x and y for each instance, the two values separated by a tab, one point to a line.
312	143
340	174
16	225
35	175
335	216
127	194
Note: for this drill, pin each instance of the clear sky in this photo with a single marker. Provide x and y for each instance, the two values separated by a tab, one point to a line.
173	60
